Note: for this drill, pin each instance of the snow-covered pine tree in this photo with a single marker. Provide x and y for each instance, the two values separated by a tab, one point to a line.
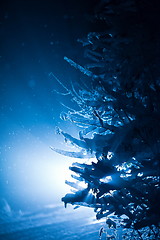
119	117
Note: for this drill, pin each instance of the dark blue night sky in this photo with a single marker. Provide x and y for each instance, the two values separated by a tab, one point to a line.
35	36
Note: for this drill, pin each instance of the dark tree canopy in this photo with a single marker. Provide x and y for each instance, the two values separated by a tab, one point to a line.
118	113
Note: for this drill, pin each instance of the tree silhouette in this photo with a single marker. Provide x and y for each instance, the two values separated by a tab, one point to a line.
118	113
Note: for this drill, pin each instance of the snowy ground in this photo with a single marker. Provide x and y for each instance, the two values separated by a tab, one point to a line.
52	223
